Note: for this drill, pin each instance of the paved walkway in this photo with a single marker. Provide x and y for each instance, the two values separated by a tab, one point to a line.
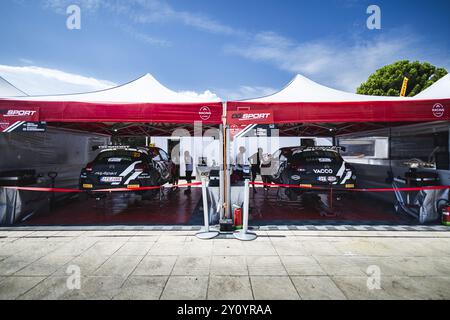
176	265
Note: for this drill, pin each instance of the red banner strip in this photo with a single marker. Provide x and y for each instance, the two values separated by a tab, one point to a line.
62	190
351	189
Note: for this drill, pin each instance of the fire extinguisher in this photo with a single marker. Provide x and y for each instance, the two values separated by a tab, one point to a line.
446	215
237	214
445	211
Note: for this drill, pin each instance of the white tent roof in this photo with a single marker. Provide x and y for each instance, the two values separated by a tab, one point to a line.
302	89
143	90
439	90
8	90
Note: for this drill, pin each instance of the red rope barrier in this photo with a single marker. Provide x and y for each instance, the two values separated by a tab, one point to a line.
277	185
350	189
63	190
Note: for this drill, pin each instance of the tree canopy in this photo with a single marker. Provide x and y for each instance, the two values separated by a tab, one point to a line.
387	81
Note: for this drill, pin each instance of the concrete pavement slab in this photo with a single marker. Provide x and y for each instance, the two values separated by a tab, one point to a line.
229	266
317	288
106	247
186	288
161	249
356	288
195	248
142	288
192	266
44	266
96	288
289	248
87	263
228	247
321	248
155	266
265	266
302	266
259	248
52	288
273	288
339	265
437	288
118	266
229	288
76	247
13	287
135	248
13	264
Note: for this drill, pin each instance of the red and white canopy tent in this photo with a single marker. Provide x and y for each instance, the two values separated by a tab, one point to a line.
305	107
120	109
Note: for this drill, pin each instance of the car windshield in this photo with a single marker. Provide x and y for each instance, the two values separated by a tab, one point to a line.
153	154
316	157
119	156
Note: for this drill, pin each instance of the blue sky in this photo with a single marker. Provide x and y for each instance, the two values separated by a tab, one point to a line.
234	48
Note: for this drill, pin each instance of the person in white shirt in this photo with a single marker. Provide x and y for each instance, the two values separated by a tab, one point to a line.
241	161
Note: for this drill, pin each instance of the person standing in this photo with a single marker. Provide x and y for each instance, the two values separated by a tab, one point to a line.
176	173
189	162
240	162
255	162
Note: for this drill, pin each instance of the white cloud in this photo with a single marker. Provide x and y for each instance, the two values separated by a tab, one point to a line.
35	80
205	96
145	37
25	61
60	6
332	62
151	11
146	11
40	81
246	92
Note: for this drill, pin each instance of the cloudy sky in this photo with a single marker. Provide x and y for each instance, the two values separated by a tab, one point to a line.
233	48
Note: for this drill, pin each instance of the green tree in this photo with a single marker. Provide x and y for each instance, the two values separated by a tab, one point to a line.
388	80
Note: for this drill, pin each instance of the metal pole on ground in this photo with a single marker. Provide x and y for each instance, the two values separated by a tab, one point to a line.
206	233
227	173
244	234
222	164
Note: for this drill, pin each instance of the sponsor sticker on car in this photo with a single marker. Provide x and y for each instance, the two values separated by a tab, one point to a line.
111	179
332	179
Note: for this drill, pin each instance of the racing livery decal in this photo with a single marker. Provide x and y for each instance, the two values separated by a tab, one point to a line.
12	118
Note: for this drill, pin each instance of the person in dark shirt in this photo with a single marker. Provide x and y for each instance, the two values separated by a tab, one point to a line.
189	162
255	162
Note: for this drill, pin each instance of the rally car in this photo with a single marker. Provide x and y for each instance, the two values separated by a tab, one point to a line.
310	167
125	167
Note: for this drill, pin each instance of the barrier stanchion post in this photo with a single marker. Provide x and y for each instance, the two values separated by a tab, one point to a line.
52	175
206	233
244	234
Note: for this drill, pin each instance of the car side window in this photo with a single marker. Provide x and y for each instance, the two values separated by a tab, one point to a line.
164	155
156	156
276	155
